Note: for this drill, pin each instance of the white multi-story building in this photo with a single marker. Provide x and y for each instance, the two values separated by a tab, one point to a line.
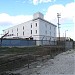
37	28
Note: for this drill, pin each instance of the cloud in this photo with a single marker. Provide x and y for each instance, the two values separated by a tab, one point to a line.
35	2
13	20
52	12
7	20
67	13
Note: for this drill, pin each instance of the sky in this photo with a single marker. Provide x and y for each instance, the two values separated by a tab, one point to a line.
13	12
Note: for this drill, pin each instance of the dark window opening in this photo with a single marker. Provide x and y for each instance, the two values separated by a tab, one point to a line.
17	34
31	25
46	25
23	33
36	24
36	31
23	27
50	27
50	33
17	29
46	32
31	31
12	30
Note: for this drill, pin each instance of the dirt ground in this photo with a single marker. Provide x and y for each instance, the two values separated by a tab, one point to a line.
62	64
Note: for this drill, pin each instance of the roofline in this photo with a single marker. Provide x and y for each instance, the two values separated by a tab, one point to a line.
33	20
17	25
45	21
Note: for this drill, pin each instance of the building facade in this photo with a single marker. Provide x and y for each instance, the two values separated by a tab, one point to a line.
37	29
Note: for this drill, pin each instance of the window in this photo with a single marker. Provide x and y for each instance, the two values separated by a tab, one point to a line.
23	33
17	29
12	30
36	24
50	27
23	27
17	34
31	26
31	31
54	34
54	28
50	33
46	25
46	32
36	31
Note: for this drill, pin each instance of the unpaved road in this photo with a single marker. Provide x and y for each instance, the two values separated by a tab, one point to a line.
62	64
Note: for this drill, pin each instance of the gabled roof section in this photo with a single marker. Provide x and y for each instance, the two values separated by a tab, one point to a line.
45	21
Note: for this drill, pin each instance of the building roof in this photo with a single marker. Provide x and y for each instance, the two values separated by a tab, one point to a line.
45	21
35	19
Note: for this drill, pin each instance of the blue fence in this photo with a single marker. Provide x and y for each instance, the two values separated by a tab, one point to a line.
17	42
23	43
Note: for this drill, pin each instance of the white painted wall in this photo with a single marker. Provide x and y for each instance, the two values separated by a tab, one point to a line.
47	30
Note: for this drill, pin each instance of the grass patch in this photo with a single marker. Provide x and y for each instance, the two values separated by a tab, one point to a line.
17	50
15	57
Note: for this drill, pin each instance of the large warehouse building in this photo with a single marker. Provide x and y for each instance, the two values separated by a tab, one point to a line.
37	29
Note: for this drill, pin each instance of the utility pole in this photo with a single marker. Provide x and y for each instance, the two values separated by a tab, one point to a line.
58	16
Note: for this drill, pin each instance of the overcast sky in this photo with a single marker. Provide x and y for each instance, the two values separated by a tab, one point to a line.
13	12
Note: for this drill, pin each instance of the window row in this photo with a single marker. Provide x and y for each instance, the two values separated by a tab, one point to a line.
23	27
49	33
30	31
35	31
50	27
35	25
